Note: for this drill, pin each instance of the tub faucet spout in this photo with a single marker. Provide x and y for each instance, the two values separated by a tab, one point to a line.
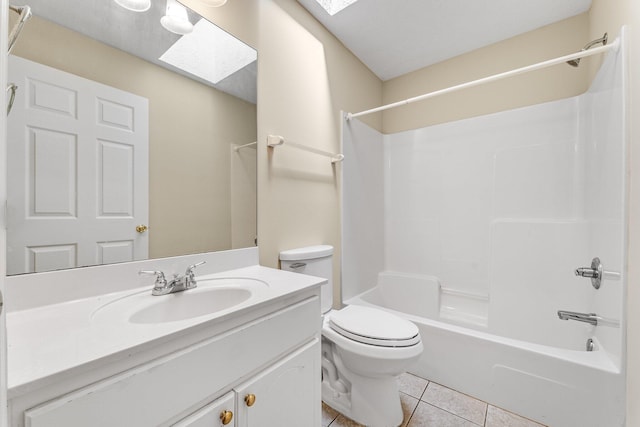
591	318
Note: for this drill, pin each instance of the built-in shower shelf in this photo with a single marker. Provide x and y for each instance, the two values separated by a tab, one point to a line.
466	308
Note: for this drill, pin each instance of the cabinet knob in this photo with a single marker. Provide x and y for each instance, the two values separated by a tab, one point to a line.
226	417
250	399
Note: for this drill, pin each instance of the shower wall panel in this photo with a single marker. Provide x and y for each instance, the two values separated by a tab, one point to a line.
450	188
602	128
490	216
362	208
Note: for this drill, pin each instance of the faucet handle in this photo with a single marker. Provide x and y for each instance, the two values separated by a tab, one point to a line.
594	273
160	287
589	273
160	279
192	267
190	281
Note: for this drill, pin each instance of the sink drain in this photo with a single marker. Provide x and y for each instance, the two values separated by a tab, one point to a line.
590	345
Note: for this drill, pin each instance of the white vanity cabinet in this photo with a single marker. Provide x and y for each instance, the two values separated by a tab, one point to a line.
274	357
218	413
282	395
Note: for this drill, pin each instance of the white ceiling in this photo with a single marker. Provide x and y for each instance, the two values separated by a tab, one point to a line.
395	37
139	34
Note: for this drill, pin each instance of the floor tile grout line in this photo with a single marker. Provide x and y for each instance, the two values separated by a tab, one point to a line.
472	397
333	420
420	400
486	404
414	409
412	412
486	414
538	424
451	413
425	388
486	411
453	389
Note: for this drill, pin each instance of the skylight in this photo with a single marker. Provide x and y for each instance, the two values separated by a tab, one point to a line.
334	6
209	53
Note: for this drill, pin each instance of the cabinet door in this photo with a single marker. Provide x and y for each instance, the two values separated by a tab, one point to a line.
197	372
212	414
286	394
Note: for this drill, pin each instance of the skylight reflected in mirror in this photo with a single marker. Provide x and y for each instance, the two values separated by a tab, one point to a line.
334	6
209	53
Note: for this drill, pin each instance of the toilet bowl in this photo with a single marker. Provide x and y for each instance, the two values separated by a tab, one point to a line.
363	349
369	348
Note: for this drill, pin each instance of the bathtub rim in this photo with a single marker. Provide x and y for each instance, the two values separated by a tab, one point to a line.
597	359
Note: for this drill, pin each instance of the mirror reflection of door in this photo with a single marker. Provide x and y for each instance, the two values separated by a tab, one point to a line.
202	192
78	179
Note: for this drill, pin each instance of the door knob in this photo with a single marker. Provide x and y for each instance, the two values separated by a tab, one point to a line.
226	417
141	228
11	88
250	399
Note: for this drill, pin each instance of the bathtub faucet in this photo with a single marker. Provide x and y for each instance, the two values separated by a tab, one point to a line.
591	318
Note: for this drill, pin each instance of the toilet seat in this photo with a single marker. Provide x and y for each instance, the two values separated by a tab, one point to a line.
371	326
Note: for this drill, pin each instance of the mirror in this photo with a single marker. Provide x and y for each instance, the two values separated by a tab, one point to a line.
71	206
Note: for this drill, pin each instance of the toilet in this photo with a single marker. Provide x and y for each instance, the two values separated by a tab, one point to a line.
363	349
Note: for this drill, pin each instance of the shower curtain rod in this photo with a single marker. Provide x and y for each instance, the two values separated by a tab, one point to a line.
495	77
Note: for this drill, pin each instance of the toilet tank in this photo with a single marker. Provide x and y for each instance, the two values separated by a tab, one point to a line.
315	261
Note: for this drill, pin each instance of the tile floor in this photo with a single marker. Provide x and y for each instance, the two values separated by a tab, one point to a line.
427	404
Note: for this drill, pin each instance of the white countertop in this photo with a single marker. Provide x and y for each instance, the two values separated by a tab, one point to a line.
47	342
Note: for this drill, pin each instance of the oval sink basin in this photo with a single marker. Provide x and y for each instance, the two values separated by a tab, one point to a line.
210	297
188	304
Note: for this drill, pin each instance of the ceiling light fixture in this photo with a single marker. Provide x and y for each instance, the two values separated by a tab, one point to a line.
135	5
214	3
176	18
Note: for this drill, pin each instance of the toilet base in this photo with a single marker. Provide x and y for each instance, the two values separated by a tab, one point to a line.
374	402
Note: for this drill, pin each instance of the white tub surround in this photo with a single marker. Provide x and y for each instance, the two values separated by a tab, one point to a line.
476	237
556	386
93	344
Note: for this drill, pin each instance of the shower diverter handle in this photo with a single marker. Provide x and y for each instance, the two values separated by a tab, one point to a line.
588	272
596	273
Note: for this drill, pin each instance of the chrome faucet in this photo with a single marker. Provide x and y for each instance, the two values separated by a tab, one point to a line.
591	318
176	284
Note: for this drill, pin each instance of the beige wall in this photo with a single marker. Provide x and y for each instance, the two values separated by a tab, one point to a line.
305	77
191	127
604	16
560	81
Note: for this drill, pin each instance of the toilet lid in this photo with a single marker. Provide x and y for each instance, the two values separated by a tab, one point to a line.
372	326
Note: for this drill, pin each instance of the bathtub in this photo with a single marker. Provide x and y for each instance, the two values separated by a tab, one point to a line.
558	387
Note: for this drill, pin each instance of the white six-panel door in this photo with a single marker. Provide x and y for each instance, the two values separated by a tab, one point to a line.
4	21
77	171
